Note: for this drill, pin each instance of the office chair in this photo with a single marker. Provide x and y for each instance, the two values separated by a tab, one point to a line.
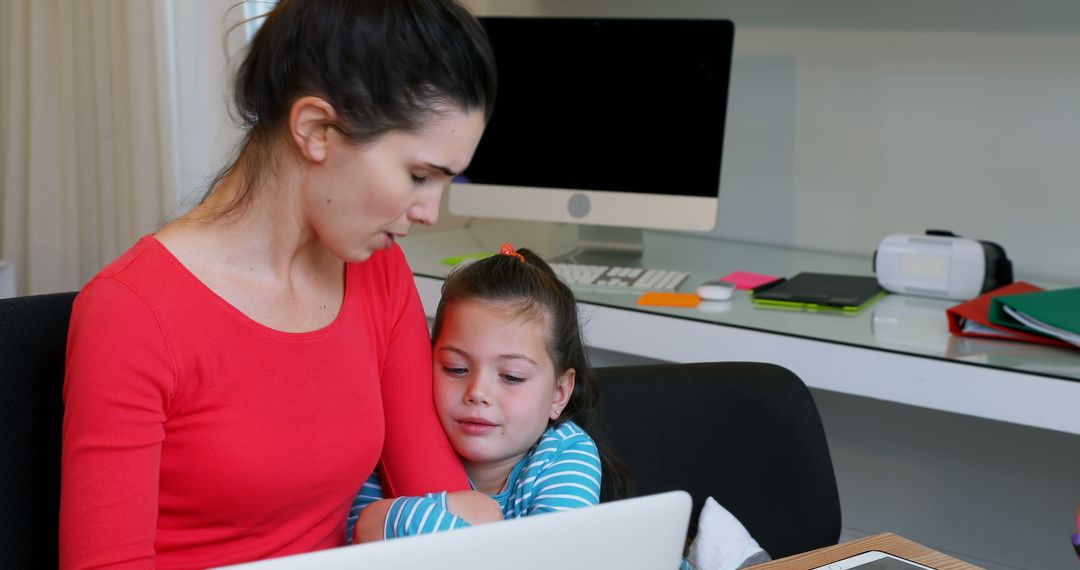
33	344
746	433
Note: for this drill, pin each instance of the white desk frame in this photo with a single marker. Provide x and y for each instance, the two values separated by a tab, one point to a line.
1015	397
843	355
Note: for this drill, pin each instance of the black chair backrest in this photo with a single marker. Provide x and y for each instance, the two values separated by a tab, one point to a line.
746	433
33	341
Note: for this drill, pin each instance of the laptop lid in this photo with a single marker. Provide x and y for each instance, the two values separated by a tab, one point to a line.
643	533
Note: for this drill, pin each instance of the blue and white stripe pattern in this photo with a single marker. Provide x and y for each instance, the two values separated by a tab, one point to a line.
420	515
561	472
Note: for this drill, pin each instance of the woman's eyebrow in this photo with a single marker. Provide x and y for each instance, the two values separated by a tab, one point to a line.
444	169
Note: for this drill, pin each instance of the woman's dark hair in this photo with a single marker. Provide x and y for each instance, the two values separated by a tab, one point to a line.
530	288
382	64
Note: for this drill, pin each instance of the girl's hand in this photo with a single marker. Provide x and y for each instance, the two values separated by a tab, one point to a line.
370	526
474	506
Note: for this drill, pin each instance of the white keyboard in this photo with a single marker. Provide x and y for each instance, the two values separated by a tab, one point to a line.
622	278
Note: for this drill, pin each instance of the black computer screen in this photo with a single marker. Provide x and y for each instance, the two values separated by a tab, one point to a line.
628	105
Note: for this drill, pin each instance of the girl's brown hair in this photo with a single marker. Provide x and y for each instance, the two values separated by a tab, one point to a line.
529	286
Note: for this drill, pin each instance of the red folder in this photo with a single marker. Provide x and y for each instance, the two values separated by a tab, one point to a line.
977	311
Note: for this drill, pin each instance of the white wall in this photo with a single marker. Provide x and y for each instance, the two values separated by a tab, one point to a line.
852	120
206	42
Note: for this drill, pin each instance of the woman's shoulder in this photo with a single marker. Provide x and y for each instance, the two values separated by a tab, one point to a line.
135	258
129	272
146	274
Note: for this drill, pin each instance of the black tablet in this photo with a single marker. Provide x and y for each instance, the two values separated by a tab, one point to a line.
820	290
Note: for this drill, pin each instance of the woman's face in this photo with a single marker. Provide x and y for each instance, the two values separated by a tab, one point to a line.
364	196
496	388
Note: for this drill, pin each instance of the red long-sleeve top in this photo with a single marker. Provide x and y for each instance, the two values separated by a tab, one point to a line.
195	437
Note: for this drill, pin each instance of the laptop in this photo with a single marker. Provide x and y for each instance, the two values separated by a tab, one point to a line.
643	533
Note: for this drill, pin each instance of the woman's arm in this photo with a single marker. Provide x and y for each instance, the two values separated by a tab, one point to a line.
119	378
417	457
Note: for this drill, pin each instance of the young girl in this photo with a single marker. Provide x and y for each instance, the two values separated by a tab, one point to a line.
517	398
515	394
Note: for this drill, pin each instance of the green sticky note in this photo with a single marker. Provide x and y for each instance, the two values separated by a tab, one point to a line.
456	259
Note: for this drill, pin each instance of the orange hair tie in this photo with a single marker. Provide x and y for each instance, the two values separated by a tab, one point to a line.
508	249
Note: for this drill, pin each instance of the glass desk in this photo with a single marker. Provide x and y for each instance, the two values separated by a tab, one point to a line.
898	349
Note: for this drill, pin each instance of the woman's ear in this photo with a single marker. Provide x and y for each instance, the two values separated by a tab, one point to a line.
310	123
564	387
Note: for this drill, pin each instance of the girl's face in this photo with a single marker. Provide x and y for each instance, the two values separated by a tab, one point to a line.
364	196
495	385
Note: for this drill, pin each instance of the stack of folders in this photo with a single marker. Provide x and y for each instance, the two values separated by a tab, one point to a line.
1021	311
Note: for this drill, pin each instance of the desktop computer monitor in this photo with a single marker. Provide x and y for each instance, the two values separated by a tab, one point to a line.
604	123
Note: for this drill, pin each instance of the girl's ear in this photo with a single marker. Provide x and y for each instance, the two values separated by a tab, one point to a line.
310	120
564	387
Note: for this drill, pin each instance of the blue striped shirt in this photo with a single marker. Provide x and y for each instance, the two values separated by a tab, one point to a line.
562	471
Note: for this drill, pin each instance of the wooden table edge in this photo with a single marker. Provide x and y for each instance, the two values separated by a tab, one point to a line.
886	542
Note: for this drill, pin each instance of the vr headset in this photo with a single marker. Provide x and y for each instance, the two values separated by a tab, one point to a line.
940	264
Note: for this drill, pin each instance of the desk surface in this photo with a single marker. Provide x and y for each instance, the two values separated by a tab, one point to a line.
885	542
869	353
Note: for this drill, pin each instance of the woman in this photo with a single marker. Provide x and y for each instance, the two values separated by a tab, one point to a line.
233	378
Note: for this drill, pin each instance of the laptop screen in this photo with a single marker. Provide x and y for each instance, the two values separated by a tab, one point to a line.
643	533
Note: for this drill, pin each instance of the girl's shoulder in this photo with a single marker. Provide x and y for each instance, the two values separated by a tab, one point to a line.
567	430
563	436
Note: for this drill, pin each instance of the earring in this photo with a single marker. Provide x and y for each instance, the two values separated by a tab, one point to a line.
557	410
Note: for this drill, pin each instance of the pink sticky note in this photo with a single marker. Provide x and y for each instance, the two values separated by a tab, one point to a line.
748	280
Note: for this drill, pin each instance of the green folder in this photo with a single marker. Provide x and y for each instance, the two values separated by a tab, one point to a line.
1048	312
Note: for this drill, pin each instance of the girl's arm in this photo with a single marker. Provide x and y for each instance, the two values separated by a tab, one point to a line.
373	518
118	384
370	493
437	512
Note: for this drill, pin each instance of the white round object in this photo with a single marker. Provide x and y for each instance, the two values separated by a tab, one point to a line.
716	290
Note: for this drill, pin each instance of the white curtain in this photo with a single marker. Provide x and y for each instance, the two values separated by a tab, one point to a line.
112	115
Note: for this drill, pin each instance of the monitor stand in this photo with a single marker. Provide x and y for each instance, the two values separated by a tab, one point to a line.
605	245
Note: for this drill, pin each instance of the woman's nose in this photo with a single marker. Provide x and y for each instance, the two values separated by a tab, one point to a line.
426	210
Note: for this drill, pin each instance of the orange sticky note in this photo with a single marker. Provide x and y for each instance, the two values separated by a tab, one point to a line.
657	299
